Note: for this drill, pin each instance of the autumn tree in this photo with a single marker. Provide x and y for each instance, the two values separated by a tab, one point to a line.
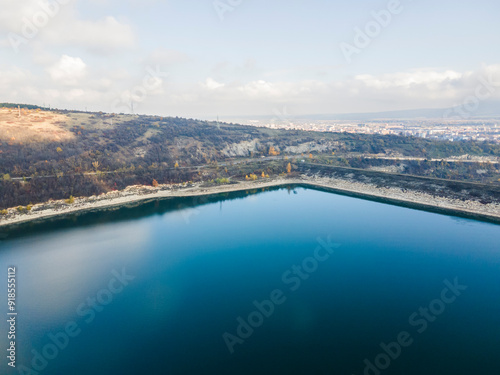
176	164
155	183
273	152
289	168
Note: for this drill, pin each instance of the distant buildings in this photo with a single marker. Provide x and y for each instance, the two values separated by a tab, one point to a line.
450	130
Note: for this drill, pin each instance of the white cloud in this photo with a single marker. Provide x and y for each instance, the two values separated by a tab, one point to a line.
425	88
13	13
409	79
75	94
212	84
166	57
71	83
260	88
102	36
60	25
68	70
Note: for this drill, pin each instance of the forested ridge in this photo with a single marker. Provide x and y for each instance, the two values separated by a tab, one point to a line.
52	154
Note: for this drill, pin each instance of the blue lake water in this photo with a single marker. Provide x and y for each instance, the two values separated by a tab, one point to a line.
287	281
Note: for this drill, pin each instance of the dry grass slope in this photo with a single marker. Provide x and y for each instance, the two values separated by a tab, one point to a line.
28	126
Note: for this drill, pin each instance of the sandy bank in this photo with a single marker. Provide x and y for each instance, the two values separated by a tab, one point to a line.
134	194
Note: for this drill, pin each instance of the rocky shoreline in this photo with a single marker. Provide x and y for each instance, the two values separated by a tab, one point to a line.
416	199
133	194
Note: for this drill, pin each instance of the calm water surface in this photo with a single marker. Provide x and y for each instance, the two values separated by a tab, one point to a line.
173	287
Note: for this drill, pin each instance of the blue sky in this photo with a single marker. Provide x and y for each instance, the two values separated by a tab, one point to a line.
249	57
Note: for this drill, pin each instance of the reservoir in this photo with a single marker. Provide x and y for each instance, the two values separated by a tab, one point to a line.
282	281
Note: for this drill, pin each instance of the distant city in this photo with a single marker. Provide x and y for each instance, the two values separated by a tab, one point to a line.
443	129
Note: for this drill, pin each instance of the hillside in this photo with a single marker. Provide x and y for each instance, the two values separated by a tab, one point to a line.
52	154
